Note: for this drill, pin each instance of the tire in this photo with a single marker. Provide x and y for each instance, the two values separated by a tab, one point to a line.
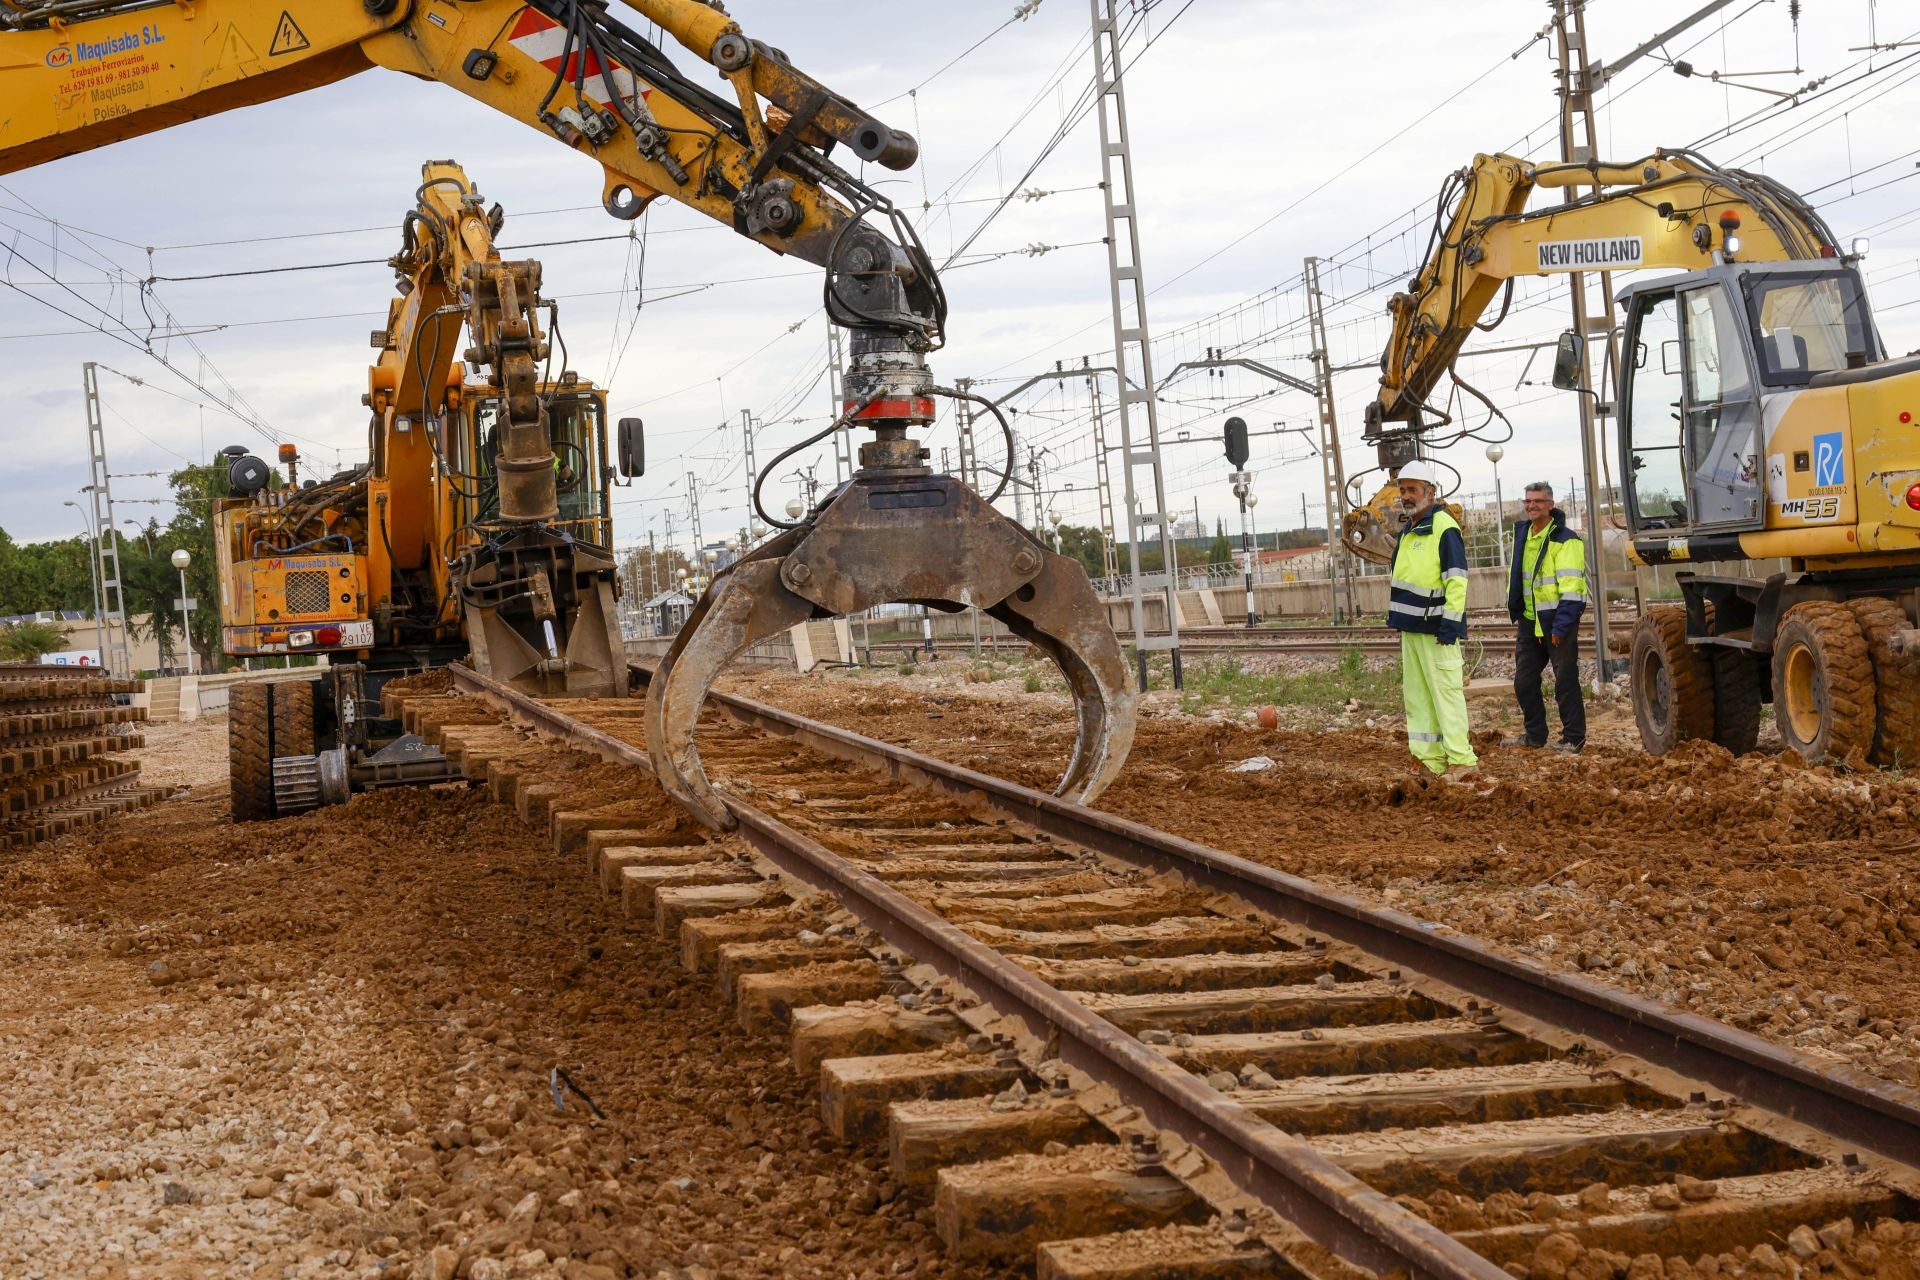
250	752
1896	738
1823	685
1737	693
1672	682
293	717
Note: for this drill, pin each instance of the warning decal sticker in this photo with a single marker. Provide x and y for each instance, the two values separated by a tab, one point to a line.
288	37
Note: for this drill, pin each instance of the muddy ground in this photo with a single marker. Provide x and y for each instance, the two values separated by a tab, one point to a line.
324	1047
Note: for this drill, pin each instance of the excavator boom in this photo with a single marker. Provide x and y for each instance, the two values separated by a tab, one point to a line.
1672	209
755	155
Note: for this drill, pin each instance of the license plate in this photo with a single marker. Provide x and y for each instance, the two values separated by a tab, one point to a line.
356	635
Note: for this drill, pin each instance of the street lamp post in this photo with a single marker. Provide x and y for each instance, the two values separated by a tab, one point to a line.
1253	500
181	559
1242	482
93	577
1494	454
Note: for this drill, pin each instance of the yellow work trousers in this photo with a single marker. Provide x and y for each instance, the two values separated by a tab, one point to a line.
1432	685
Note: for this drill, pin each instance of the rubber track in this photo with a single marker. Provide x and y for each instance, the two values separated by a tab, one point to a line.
1896	738
1688	671
1830	632
249	753
293	717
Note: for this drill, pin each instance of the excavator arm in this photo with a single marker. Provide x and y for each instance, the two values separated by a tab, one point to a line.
755	154
77	76
1673	209
1669	210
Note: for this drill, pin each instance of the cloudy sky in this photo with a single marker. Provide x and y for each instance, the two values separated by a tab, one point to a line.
1263	133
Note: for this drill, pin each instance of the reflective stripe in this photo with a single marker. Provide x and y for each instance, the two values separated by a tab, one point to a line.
1454	573
1454	615
1432	593
1412	610
1581	596
1423	737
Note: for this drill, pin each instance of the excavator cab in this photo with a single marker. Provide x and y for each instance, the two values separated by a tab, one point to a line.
577	434
1713	364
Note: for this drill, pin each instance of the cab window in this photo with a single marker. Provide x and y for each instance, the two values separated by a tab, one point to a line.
575	426
1654	393
1807	324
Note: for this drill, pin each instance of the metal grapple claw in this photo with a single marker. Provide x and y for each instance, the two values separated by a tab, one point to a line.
915	539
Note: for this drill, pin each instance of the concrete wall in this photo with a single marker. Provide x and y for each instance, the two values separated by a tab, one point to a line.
1486	589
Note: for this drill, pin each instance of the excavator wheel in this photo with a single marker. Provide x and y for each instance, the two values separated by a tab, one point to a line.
1823	685
250	751
1738	684
1672	682
1896	739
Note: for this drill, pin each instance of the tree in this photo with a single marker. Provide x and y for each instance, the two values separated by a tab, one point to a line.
1085	544
1221	552
194	492
151	584
26	641
41	576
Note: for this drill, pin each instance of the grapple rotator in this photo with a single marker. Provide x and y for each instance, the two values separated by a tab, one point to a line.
897	532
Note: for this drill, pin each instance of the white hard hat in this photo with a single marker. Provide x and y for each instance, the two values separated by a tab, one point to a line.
1420	469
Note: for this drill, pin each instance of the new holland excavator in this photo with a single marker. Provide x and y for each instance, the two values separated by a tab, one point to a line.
758	156
1758	417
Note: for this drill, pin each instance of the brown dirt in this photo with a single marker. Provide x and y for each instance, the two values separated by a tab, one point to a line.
1755	890
323	1046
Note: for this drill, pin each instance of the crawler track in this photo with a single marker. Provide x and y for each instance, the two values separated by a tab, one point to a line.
1092	1043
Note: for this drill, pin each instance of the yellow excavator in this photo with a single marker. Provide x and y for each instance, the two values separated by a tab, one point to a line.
758	156
407	561
1758	417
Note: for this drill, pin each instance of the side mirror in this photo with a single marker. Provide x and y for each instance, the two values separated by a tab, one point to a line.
633	448
1569	359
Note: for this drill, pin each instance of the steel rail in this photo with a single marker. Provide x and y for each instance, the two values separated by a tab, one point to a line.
1846	1103
1331	1206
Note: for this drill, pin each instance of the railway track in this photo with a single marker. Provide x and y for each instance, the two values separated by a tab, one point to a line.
1103	1051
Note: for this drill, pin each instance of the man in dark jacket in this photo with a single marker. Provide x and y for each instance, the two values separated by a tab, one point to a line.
1546	594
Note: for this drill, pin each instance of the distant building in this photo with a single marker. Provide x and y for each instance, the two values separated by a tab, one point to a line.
666	613
1294	564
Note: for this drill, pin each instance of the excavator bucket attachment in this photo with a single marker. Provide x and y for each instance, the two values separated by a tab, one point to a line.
540	617
919	540
1371	531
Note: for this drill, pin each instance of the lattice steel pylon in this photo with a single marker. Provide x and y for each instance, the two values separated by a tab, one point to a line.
842	434
1103	481
746	440
1131	346
1333	470
1576	75
106	542
963	420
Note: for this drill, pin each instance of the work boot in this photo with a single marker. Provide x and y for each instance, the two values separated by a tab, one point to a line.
1569	748
1522	742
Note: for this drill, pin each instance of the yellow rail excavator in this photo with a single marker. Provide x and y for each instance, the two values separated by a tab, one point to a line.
1758	417
406	561
532	597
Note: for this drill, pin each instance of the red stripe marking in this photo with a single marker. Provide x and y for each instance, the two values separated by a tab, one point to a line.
531	22
918	408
